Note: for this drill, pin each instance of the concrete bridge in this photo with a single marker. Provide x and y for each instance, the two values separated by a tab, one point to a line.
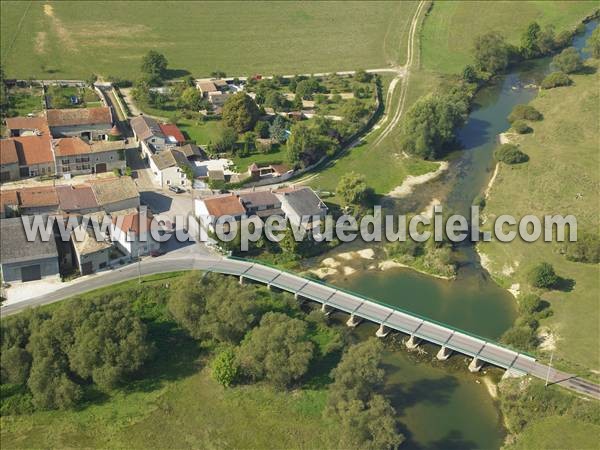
331	298
391	318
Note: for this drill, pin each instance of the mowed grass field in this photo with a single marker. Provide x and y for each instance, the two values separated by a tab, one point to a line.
69	39
561	177
451	27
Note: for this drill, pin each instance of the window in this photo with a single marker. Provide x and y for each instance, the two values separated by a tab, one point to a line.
102	265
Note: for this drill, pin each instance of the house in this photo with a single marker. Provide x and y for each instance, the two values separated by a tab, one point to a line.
27	126
91	255
172	133
9	160
206	87
148	135
299	202
75	156
218	98
192	152
34	154
90	124
76	199
132	234
114	194
272	170
38	200
169	168
9	204
22	260
209	210
261	203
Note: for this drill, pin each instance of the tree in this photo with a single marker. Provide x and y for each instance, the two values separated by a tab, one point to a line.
521	127
229	310
240	112
431	124
556	79
593	43
542	276
524	112
530	304
510	154
274	99
191	98
15	364
109	343
529	40
352	189
277	130
354	110
521	337
586	249
278	350
50	387
491	52
362	76
227	140
367	418
262	129
568	61
154	64
187	305
225	368
469	74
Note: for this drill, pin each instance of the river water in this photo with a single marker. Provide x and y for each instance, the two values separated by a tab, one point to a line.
444	408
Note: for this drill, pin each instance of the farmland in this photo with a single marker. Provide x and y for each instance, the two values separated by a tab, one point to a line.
451	27
74	39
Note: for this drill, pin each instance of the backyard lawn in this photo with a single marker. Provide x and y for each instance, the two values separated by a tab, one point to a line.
75	39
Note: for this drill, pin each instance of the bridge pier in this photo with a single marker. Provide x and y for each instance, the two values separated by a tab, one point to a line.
353	321
444	353
326	309
242	279
412	342
475	365
382	331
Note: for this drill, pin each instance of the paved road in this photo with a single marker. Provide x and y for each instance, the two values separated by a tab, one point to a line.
193	258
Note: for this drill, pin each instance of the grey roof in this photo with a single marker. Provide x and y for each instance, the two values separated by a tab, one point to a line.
303	201
15	246
259	198
145	127
169	158
190	150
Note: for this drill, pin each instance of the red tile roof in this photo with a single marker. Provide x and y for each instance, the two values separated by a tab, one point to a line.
225	205
33	149
38	196
132	222
170	129
78	116
76	197
8	198
8	152
27	123
71	146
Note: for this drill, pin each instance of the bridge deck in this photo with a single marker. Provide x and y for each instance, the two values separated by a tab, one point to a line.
381	314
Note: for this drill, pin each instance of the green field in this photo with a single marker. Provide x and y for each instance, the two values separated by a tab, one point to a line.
69	39
451	27
558	432
561	178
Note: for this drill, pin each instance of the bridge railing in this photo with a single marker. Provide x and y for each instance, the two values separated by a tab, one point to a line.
387	305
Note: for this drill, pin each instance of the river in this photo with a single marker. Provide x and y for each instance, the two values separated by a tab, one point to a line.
444	408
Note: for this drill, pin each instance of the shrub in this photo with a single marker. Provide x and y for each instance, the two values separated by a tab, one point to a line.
510	154
568	61
521	127
542	276
524	112
521	337
556	79
586	249
225	368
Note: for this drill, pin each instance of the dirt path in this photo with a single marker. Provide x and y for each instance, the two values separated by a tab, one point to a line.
411	51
